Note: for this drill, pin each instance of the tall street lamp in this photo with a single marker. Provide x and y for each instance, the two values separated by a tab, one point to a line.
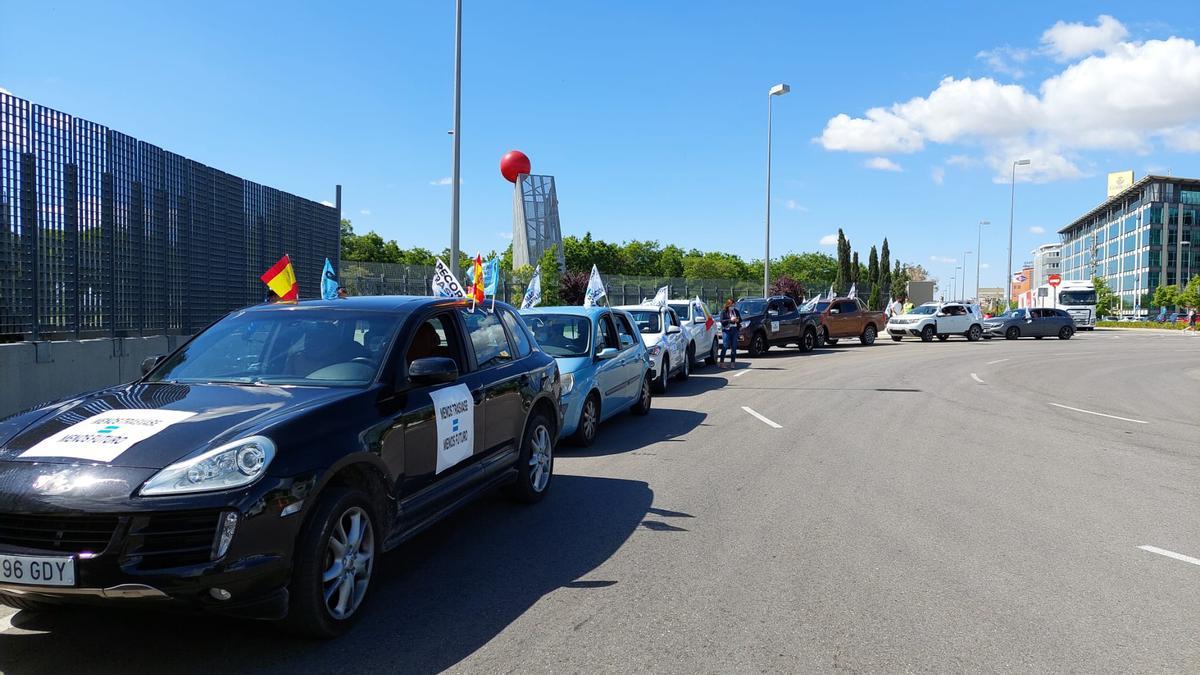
1012	201
979	254
777	90
964	274
457	129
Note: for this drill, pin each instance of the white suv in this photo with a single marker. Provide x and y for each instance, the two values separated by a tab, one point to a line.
700	328
665	340
940	320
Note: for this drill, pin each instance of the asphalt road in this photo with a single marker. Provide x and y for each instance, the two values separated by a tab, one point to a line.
919	507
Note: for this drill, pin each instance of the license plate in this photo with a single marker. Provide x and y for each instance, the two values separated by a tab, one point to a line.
37	571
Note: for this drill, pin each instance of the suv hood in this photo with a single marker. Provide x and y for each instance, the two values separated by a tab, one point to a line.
152	425
651	339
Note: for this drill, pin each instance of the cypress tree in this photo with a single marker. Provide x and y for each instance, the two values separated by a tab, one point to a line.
885	264
843	260
873	301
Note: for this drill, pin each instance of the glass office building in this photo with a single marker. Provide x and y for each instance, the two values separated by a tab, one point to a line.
1138	239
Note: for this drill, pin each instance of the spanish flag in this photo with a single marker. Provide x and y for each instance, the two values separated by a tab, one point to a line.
477	275
281	279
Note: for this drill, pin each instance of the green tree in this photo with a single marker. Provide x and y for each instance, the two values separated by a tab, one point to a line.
1191	294
581	254
874	301
843	262
550	277
855	269
899	281
885	269
640	257
814	270
1166	295
670	261
1105	298
715	265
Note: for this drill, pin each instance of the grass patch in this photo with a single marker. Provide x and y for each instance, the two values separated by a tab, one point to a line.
1141	324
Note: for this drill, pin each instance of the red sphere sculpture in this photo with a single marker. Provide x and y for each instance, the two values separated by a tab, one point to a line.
512	164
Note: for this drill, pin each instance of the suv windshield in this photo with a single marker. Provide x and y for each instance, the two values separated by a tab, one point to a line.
751	307
1077	298
924	309
324	347
648	321
561	335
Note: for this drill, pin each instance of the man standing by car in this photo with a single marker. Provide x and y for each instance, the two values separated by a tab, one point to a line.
731	321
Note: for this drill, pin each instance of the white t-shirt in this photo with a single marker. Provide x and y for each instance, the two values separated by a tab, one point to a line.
896	309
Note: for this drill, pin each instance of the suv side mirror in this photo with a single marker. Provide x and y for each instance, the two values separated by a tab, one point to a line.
151	361
672	330
432	370
834	310
607	353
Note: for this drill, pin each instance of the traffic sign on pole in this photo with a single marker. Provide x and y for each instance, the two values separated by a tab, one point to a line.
1054	280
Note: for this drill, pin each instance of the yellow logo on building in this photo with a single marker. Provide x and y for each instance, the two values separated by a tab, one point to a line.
1118	181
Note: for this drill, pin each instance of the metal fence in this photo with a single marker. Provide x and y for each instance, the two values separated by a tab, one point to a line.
103	234
363	278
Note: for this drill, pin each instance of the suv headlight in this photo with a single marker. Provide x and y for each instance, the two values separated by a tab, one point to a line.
568	383
655	350
232	465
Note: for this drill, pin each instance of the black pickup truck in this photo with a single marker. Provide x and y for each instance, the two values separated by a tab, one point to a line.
775	321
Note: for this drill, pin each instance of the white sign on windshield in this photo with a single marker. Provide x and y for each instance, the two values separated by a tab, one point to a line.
454	411
104	437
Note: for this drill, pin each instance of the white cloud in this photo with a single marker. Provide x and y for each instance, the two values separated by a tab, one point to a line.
882	164
1074	110
506	235
445	181
1006	60
793	206
1037	229
961	160
829	240
365	212
326	202
1066	41
938	175
984	266
942	259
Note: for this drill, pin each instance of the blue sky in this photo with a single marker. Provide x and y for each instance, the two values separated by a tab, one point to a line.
651	115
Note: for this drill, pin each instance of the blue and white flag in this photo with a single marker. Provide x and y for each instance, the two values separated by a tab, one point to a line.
491	276
853	291
811	304
830	292
329	283
533	292
595	289
660	298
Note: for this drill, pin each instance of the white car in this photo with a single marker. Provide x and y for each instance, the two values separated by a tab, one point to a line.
940	320
665	340
701	329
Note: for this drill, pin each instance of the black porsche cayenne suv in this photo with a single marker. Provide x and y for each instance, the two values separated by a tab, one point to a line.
262	468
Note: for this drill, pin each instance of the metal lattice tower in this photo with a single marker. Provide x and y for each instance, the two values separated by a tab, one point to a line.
535	220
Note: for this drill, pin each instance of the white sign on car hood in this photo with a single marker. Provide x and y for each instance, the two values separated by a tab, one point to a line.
103	437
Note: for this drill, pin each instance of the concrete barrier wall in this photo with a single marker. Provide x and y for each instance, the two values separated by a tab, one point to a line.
34	372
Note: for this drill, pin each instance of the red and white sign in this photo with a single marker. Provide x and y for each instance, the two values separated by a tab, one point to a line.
1054	280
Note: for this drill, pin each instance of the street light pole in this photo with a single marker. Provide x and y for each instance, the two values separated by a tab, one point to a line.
979	254
1012	201
964	274
457	130
957	270
777	90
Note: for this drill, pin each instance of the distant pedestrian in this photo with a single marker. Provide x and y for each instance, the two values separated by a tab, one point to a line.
1192	319
731	322
897	307
342	293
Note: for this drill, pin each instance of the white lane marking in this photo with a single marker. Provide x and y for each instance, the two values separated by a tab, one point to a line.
1171	554
976	378
1089	412
762	419
741	372
992	363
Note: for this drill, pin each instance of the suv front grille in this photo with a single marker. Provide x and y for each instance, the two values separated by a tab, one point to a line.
162	540
58	532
